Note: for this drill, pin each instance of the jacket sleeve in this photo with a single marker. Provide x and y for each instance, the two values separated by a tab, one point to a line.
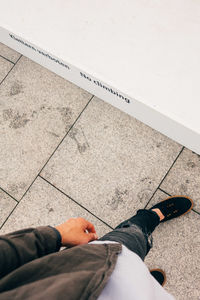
19	247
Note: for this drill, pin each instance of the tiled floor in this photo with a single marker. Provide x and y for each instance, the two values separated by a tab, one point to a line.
65	153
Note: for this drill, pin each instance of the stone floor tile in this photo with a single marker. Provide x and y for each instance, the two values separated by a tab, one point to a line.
5	67
176	250
37	109
6	206
45	205
184	177
9	53
110	163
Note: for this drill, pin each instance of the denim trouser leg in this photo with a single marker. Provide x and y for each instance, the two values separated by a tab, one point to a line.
135	233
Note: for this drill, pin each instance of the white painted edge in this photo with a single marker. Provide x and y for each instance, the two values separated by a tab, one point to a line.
159	121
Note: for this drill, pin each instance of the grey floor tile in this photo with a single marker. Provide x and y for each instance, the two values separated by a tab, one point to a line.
44	205
5	67
9	53
6	206
110	163
37	108
176	251
184	177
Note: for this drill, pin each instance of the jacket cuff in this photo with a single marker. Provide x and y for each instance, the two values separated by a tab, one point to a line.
59	238
52	238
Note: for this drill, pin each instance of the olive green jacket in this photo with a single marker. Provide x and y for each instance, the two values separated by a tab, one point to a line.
31	267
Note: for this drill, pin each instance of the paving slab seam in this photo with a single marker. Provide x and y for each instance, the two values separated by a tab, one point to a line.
76	202
66	134
7	59
14	64
195	211
164	192
165	176
9	195
55	149
9	215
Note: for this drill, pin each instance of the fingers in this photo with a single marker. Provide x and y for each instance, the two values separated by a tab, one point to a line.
90	227
76	231
92	237
87	225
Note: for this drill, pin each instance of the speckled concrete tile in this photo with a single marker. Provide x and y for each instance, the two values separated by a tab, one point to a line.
37	108
45	205
9	53
176	251
5	67
110	163
6	206
184	177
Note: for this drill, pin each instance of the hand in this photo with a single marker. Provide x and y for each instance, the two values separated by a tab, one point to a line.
76	232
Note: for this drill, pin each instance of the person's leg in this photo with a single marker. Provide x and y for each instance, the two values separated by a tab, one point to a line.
135	233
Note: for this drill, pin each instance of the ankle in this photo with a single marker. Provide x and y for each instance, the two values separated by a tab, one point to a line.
159	213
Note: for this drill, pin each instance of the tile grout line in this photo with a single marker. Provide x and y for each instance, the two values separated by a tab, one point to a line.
57	147
75	201
9	195
195	211
7	59
9	215
10	70
165	176
164	192
66	134
0	187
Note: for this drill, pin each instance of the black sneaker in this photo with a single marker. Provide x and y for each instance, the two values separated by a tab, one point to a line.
174	207
159	275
